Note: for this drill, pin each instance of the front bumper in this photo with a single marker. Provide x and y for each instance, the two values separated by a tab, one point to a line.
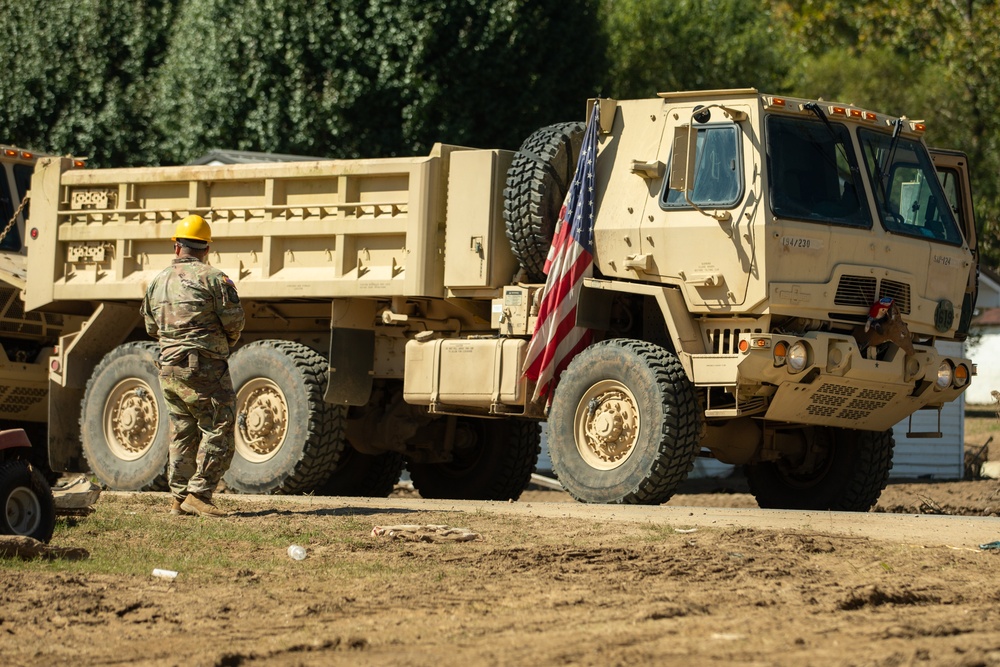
839	386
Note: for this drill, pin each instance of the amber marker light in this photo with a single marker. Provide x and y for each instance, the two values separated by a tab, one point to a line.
9	152
856	114
838	111
961	376
780	351
918	126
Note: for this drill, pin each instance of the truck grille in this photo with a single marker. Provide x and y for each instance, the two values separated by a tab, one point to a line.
725	341
900	293
855	291
861	291
18	399
844	402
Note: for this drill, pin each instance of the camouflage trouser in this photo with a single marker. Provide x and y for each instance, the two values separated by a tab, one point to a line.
201	406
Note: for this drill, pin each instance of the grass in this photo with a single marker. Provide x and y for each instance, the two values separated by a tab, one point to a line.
132	535
980	424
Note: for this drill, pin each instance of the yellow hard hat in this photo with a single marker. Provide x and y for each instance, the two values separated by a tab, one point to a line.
193	228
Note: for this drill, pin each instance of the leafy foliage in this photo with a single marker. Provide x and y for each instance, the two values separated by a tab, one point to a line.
656	46
77	80
371	78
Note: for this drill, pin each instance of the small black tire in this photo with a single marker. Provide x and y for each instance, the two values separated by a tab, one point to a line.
625	424
286	435
537	182
26	500
124	427
847	474
493	460
363	475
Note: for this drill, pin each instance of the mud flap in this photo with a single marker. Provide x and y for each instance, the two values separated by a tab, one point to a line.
352	371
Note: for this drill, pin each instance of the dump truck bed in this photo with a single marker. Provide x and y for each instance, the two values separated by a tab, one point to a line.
304	230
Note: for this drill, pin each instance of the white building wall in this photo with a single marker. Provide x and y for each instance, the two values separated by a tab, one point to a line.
985	353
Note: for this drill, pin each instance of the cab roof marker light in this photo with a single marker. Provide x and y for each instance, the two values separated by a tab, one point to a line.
870	116
838	111
775	103
855	114
25	155
918	126
10	152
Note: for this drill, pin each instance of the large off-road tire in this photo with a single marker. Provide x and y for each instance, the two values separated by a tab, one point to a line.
26	500
493	460
537	182
839	469
624	425
365	475
286	435
123	420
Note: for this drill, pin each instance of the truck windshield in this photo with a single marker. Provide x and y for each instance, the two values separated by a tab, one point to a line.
813	172
909	194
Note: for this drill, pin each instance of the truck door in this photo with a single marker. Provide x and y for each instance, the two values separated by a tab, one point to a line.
953	172
708	247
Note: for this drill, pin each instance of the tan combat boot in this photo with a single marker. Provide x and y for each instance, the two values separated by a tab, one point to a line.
195	505
175	508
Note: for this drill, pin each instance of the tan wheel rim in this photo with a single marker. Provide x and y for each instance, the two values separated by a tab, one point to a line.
261	419
131	419
606	425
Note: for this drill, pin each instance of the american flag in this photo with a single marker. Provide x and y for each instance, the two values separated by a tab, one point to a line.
557	339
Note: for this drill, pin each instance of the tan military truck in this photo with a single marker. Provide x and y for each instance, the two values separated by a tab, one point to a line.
26	338
743	244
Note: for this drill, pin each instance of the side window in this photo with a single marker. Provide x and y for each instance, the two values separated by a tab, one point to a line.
717	180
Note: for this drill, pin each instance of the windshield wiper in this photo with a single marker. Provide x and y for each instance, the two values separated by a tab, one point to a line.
815	108
884	169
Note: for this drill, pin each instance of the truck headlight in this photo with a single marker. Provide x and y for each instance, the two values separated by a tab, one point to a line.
944	375
798	356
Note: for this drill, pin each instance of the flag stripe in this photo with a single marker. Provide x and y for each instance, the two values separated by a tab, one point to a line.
557	339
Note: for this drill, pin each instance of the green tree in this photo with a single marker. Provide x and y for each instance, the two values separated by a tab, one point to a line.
663	45
75	76
367	78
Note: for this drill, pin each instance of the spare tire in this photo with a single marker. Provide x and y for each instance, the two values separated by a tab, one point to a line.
537	182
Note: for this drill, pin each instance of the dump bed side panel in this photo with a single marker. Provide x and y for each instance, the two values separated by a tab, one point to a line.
304	230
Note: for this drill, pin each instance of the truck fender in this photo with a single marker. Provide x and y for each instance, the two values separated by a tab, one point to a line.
13	438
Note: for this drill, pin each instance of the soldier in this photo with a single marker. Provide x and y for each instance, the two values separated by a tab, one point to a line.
195	313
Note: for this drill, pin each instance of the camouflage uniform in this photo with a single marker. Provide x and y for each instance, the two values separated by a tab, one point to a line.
195	312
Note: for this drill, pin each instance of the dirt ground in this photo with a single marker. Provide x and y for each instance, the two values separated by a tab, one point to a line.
529	591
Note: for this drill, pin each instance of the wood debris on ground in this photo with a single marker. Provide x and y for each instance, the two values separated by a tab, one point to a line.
425	533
